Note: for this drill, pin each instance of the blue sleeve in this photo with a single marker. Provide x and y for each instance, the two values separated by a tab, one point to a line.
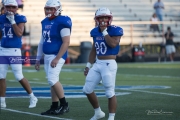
91	33
119	31
1	23
21	19
115	31
155	4
1	19
94	32
67	23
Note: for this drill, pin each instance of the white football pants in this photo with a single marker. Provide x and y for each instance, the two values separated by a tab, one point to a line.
105	70
52	74
16	68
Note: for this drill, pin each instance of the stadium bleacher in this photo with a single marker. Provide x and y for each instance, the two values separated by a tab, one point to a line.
82	13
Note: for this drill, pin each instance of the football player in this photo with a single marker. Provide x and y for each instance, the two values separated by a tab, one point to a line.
12	26
55	39
106	39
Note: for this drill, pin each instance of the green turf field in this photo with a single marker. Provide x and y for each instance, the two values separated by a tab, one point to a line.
152	92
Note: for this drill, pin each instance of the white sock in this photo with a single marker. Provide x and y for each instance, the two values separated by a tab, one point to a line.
2	99
112	115
31	95
97	110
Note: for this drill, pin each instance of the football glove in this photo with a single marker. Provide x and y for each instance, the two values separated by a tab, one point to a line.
104	32
10	17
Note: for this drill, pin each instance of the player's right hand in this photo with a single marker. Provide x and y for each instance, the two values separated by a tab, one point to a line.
37	65
86	70
10	17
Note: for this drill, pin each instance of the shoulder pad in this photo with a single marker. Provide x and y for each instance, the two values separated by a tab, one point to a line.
65	21
115	30
94	31
2	18
20	18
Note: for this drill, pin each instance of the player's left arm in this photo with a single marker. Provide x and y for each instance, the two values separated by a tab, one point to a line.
162	6
64	46
18	29
113	36
62	50
171	36
65	35
112	41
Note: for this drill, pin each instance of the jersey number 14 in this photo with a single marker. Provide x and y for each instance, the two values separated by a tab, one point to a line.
9	33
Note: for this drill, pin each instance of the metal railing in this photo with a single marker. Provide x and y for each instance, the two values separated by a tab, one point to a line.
130	27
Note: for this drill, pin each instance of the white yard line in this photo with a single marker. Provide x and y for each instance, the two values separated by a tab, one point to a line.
28	113
154	76
169	94
44	83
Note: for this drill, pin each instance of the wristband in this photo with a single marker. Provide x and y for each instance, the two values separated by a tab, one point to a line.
88	65
105	32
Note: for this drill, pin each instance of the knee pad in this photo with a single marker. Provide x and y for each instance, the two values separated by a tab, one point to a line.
2	76
87	89
52	78
109	84
52	81
110	93
3	70
18	75
109	88
17	71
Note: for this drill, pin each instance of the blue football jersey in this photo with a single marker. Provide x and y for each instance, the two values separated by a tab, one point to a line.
9	38
51	34
102	48
0	36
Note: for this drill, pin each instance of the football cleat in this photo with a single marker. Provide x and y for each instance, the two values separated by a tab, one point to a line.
62	109
33	101
51	111
98	116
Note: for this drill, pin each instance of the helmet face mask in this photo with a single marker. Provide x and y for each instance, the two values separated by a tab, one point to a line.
103	13
49	11
52	8
103	21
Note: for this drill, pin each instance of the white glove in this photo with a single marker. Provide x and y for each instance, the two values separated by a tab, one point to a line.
10	17
104	32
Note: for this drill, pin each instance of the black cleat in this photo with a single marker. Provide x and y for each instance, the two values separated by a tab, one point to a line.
62	109
51	111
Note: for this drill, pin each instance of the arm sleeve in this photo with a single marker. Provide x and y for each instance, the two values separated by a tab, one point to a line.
40	51
65	32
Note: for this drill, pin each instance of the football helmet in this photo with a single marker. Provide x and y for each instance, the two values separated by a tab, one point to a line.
10	2
103	12
53	4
